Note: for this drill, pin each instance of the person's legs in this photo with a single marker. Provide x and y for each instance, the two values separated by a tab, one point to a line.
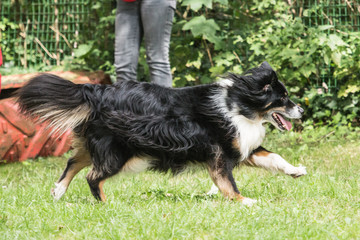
128	34
157	16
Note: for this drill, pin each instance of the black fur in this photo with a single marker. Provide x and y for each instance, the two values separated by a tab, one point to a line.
172	126
51	91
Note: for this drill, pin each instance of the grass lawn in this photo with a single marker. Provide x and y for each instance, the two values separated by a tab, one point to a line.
325	204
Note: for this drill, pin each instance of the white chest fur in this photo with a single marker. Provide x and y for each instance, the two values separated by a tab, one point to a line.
250	134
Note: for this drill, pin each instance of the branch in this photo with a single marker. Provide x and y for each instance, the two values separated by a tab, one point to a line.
53	56
208	52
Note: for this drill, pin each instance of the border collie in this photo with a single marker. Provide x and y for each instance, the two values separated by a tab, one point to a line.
132	127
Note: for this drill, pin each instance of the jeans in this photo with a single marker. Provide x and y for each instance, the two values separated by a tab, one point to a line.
151	19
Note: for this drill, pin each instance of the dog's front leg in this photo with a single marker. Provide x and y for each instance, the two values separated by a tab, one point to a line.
224	180
274	162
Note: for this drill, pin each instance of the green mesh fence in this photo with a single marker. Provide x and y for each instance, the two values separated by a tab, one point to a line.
343	14
45	31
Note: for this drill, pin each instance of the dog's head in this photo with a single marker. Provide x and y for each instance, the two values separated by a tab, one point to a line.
260	95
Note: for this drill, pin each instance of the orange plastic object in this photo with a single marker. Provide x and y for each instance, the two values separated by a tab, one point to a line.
21	138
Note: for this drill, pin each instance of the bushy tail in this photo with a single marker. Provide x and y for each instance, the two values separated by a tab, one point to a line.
55	100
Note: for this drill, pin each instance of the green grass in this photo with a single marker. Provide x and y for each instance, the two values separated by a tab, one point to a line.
325	204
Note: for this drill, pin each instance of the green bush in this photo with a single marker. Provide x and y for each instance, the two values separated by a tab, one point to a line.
212	37
234	36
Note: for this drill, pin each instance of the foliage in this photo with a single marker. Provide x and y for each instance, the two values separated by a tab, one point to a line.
236	36
212	37
4	38
96	50
326	108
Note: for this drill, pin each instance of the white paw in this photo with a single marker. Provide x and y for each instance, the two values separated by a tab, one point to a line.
214	190
248	201
296	172
58	191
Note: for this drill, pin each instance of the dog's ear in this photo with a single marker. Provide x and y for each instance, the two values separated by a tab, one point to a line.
266	65
267	88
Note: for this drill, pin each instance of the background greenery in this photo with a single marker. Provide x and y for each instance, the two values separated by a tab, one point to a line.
318	62
324	204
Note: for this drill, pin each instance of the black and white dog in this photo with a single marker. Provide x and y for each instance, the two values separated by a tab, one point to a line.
131	126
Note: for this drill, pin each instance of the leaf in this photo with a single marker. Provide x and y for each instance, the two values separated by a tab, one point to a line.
327	55
325	27
298	61
217	70
189	78
257	48
287	53
295	90
237	39
307	70
96	5
332	104
336	57
196	63
216	40
205	79
322	38
306	13
82	50
200	26
331	45
336	40
349	89
195	5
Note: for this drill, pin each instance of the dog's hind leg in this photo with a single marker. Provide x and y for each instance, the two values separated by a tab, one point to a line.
100	172
224	180
96	180
274	162
80	160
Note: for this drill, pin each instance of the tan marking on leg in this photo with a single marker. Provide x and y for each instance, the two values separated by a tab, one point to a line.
227	189
102	194
236	144
250	161
262	153
224	185
75	168
81	159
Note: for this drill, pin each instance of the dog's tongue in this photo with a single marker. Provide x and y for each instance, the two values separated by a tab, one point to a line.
286	123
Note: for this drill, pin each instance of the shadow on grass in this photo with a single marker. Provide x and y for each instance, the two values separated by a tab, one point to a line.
160	194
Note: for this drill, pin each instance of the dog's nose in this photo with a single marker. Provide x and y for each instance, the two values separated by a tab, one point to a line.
301	110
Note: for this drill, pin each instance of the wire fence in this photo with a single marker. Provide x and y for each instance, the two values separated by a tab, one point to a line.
342	14
47	31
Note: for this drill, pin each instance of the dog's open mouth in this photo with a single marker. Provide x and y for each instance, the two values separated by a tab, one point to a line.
281	121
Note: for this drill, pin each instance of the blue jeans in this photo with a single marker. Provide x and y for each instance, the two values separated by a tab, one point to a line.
151	19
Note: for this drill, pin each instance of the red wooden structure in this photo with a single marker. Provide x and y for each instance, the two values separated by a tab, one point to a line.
20	137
